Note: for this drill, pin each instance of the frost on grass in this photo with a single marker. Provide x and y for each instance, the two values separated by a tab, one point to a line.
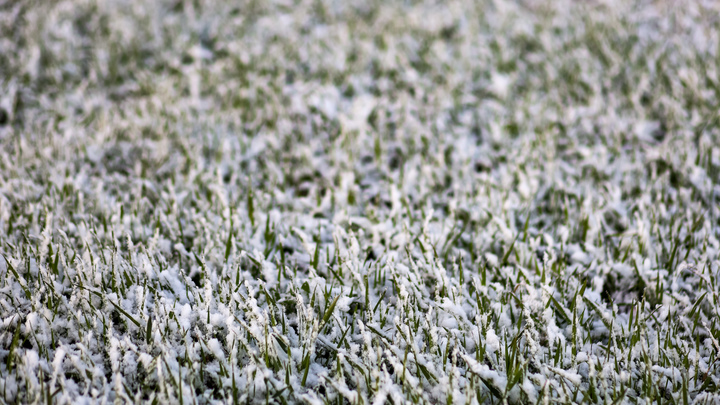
326	202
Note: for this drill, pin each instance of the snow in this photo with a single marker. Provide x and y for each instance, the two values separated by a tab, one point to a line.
506	202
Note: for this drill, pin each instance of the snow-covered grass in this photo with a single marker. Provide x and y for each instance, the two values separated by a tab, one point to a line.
335	202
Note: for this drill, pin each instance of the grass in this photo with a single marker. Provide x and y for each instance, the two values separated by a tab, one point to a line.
327	203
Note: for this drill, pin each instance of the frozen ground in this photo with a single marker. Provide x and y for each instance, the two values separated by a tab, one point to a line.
382	202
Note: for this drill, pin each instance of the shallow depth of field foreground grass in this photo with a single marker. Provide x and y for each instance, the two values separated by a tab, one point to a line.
384	202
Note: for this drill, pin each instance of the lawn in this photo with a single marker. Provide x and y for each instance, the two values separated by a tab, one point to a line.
335	202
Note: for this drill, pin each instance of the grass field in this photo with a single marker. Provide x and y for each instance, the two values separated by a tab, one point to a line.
315	201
